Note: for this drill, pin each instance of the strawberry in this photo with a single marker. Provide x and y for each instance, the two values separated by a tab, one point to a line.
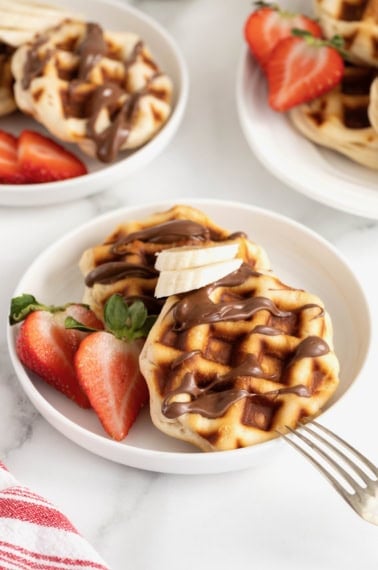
268	25
302	68
43	160
9	169
107	365
46	347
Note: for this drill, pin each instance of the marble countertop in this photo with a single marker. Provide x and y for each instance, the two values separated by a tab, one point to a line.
280	514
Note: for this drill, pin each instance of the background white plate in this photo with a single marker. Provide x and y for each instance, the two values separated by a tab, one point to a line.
299	256
320	173
117	16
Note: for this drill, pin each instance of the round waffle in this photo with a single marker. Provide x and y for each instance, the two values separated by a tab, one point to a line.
231	363
340	119
356	21
99	89
125	262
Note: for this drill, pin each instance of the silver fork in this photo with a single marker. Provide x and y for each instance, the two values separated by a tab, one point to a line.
355	481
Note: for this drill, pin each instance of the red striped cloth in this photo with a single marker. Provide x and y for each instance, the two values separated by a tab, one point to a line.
34	535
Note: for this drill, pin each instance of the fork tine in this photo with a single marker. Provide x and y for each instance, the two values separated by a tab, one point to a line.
347	445
338	468
341	490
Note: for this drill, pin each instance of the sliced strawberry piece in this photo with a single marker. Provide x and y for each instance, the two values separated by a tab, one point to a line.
43	160
9	169
107	365
268	25
108	372
46	347
301	69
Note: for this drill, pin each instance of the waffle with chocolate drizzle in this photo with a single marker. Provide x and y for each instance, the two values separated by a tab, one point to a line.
124	262
101	90
356	21
342	118
229	364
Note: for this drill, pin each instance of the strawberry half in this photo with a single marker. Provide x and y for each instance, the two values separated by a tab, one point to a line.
10	172
302	68
46	347
268	25
43	160
108	371
107	365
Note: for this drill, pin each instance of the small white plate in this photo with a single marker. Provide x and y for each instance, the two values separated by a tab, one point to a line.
118	16
317	172
299	256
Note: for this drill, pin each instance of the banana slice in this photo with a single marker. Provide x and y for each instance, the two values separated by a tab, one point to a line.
183	280
189	256
22	19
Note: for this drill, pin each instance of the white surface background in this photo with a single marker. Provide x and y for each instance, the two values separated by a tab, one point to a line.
282	514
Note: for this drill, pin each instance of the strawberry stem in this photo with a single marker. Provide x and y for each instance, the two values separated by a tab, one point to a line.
127	322
25	304
336	42
123	321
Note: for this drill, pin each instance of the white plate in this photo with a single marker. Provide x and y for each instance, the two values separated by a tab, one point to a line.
298	255
118	16
319	173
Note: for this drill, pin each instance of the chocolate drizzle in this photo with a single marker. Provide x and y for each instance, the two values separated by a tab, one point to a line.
212	403
91	49
197	308
115	270
169	232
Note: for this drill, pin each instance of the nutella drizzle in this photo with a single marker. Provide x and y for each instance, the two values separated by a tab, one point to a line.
168	232
91	49
113	271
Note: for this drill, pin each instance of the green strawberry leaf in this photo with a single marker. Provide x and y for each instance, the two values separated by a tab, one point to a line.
71	323
25	304
127	322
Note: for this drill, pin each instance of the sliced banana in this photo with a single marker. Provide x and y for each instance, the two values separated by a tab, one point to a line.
189	256
22	19
183	280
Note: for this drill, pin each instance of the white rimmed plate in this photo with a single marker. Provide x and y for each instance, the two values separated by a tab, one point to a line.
317	172
299	256
113	15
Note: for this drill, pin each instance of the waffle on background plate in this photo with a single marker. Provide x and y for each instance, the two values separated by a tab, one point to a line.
124	262
343	118
101	90
356	21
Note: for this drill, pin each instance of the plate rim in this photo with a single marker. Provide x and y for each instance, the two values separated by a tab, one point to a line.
245	61
195	462
150	148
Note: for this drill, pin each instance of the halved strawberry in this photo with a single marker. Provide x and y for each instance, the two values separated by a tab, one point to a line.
302	68
268	25
107	365
108	371
9	169
43	160
46	347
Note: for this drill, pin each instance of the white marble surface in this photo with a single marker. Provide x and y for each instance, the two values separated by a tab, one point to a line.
282	514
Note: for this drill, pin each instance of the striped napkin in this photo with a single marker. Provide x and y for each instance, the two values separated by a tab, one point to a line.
34	535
